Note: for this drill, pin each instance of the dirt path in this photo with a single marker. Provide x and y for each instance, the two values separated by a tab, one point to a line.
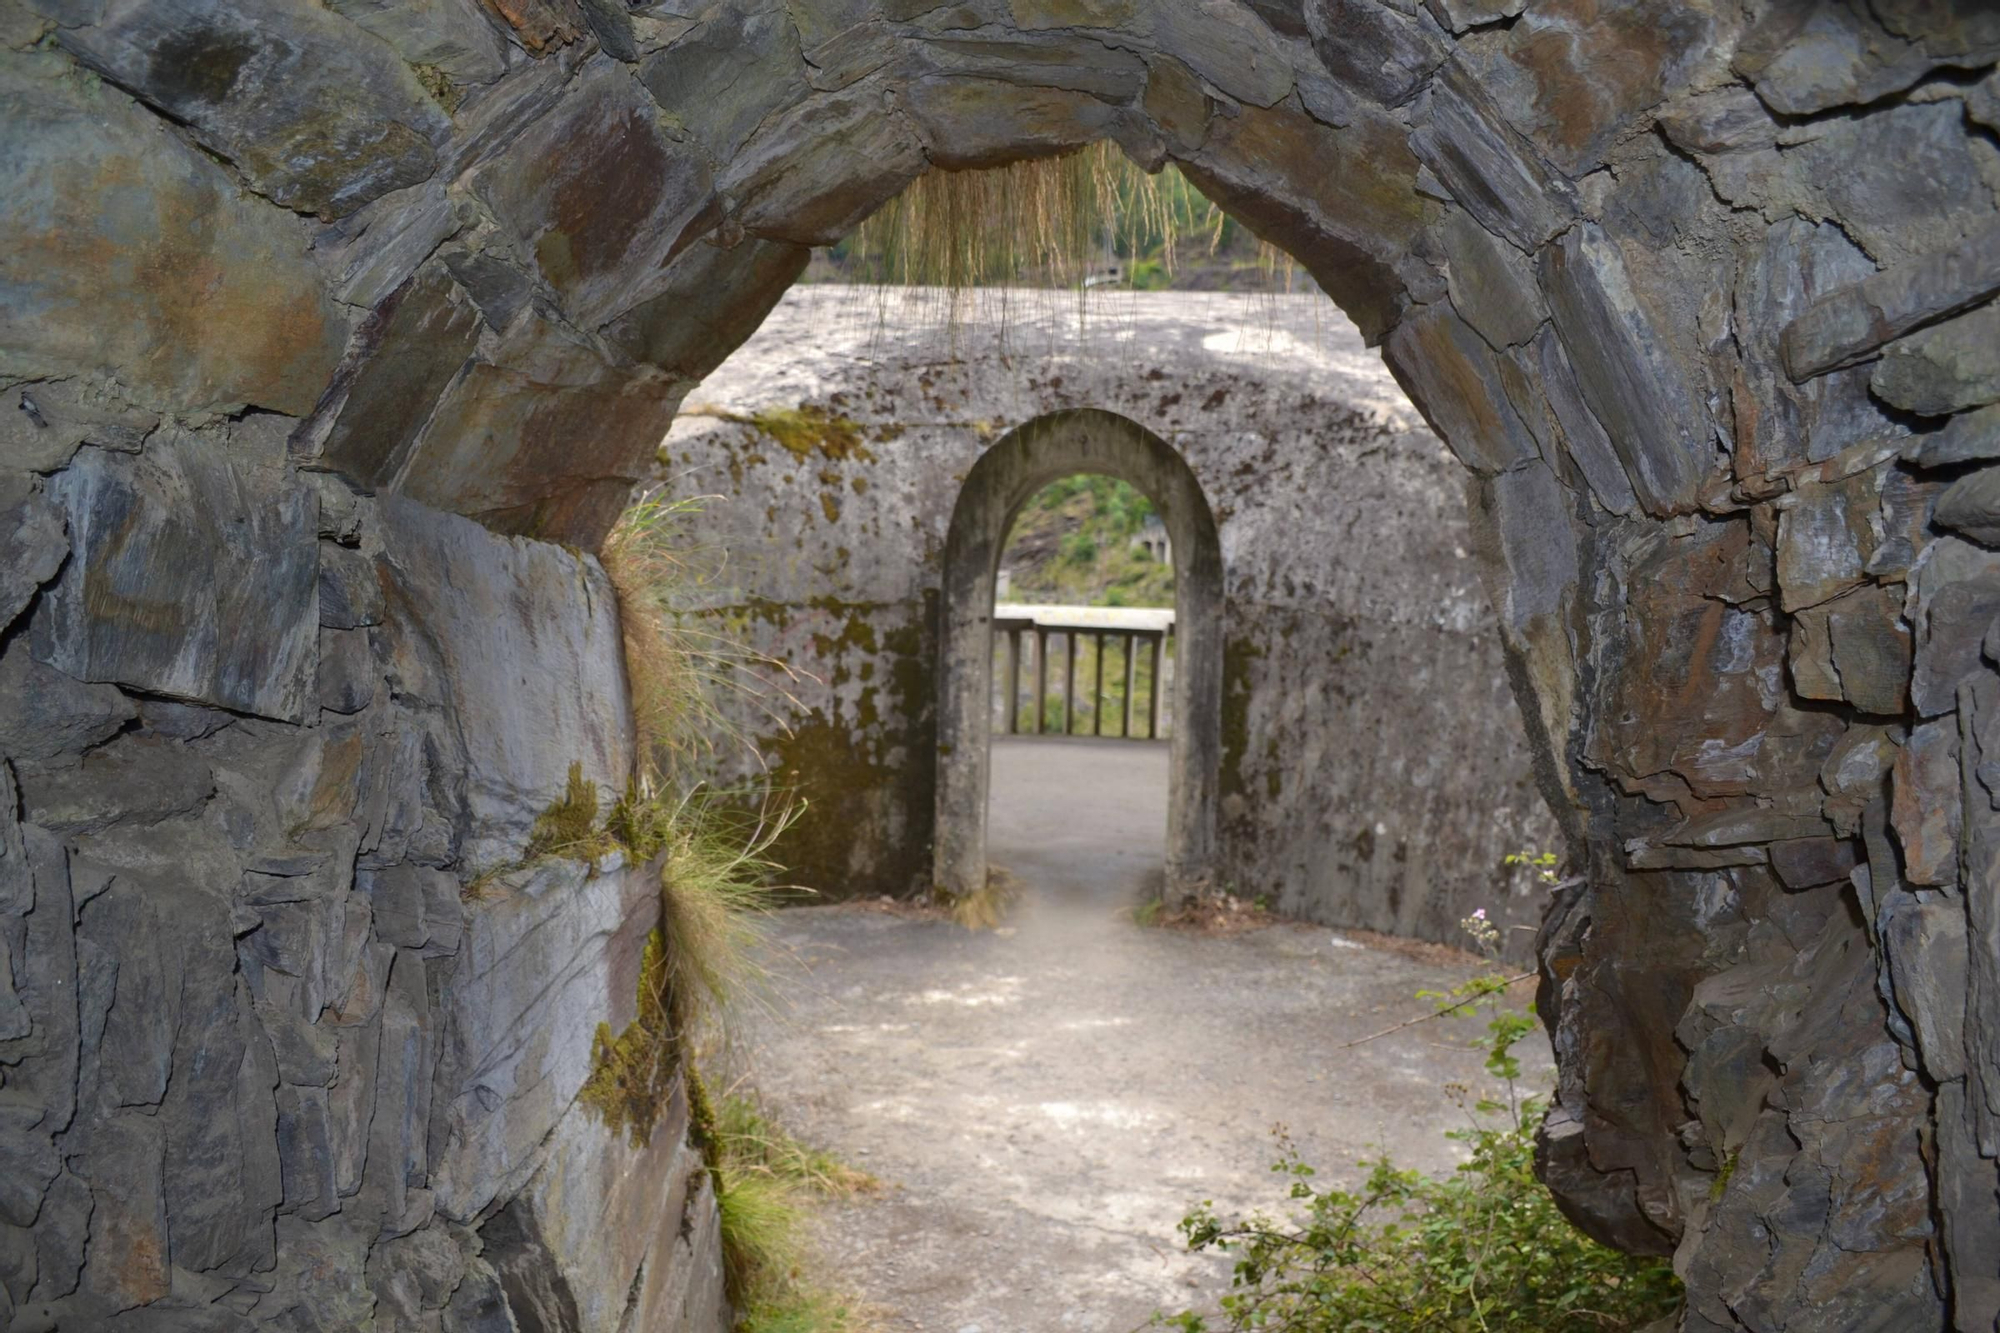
1044	1102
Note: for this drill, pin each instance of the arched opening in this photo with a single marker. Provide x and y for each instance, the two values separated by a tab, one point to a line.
1017	466
1084	643
1704	365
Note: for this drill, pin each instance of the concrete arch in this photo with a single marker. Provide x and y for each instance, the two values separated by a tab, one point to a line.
1005	477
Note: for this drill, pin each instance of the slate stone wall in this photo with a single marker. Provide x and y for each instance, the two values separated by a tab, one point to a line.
1698	290
290	1037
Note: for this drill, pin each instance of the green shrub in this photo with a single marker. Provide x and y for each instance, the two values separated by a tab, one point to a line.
1079	548
1481	1250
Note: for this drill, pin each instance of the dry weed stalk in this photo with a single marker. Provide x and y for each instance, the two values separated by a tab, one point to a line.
680	675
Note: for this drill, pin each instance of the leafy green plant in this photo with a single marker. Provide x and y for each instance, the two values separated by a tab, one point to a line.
1074	542
1541	862
1481	1250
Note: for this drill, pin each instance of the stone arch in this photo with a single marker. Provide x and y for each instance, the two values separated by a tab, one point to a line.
1006	476
1692	300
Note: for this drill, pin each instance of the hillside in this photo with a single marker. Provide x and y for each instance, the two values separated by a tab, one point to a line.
1074	543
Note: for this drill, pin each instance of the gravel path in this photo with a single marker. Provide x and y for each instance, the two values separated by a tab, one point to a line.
1043	1102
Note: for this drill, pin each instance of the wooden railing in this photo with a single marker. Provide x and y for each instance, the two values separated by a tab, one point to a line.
1027	644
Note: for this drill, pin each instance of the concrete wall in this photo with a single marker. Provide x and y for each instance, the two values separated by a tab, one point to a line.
1373	770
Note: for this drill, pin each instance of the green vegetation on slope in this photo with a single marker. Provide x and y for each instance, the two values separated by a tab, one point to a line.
716	879
765	1183
1074	544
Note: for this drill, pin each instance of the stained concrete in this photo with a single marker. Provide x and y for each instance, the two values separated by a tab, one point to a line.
1042	1103
1373	767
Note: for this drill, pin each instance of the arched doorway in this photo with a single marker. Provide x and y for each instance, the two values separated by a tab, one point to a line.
1018	465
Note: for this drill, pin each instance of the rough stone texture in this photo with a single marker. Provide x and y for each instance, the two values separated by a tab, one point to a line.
488	604
597	192
1749	1076
181	560
1855	321
317	114
33	546
1627	375
1810	59
1339	795
267	1063
131	258
1944	369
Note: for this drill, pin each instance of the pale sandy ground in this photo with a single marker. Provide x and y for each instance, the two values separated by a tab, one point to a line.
1044	1102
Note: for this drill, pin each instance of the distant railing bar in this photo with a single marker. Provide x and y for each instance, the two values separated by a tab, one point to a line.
1041	679
1069	682
1131	685
1102	638
1157	644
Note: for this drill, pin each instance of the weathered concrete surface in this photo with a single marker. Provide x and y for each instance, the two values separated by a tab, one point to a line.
1043	1105
1371	769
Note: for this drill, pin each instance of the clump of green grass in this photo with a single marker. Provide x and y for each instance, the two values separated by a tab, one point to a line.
765	1183
757	1144
718	878
569	826
716	884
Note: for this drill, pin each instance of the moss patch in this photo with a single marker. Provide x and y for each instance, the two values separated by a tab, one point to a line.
569	827
633	1076
1239	656
865	772
809	429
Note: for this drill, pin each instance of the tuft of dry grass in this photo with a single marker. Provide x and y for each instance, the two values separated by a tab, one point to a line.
986	907
1208	914
1053	221
681	675
718	882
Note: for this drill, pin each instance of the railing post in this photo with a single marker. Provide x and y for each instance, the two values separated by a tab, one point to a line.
1097	694
1069	682
1155	643
1041	677
1013	682
1131	683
